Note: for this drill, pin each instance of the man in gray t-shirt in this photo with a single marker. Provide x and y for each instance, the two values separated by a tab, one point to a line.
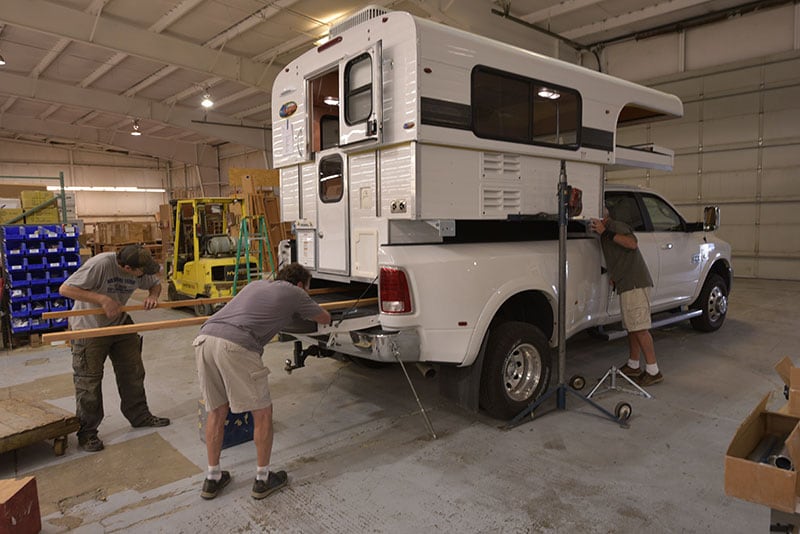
232	375
631	278
106	281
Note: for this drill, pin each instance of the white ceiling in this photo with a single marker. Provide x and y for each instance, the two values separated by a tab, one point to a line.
79	72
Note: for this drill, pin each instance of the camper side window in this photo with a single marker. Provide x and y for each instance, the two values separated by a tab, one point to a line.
509	107
358	89
331	178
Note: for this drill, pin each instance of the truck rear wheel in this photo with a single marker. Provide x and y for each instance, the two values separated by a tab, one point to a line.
713	301
516	369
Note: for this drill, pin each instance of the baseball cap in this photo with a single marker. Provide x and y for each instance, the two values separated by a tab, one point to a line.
138	257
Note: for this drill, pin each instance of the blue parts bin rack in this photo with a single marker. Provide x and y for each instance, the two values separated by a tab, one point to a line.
37	259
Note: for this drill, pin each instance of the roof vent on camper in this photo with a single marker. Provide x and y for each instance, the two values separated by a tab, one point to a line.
369	12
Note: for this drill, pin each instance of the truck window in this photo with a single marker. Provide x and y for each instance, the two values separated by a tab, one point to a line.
331	179
358	89
624	208
663	217
508	107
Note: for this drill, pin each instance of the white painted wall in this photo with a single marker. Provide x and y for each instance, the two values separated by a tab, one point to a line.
738	144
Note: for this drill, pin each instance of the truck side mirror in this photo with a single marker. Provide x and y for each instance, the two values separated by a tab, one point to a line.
710	218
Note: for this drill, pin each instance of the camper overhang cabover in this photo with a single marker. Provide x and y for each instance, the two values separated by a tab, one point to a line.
398	127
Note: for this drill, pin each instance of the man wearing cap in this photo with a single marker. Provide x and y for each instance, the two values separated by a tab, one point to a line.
106	281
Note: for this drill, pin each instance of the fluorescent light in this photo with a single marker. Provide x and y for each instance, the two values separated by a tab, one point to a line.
207	102
107	189
331	100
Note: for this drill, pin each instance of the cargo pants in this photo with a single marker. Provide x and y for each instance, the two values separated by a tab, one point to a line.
88	359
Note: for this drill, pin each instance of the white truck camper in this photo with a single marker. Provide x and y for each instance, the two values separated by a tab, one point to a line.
419	164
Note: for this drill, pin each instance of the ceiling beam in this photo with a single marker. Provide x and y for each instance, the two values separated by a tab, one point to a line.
612	23
202	155
559	9
120	36
178	116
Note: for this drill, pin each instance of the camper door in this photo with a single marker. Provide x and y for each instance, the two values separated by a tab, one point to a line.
360	87
332	209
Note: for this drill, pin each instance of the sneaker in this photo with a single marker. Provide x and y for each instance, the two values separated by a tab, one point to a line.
152	420
646	379
212	487
91	444
629	371
274	482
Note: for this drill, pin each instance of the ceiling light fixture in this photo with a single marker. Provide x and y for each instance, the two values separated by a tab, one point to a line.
2	60
331	100
207	102
135	131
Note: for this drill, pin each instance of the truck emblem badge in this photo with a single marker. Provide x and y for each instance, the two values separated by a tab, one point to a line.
288	109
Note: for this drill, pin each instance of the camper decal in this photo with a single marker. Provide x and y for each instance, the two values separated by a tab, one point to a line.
288	109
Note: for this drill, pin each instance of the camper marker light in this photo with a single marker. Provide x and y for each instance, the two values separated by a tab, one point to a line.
331	100
544	92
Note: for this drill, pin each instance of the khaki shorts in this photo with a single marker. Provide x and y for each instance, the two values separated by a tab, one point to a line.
635	308
229	373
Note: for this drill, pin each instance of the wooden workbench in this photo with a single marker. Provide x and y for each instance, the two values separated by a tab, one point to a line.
23	422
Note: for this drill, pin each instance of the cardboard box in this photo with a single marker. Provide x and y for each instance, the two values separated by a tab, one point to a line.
6	214
31	199
760	482
19	507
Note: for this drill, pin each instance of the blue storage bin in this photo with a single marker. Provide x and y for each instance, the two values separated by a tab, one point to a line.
59	323
35	246
39	292
71	261
69	230
38	305
20	324
17	293
52	289
60	304
16	264
37	278
35	263
20	308
57	276
53	246
15	248
42	231
14	233
18	279
53	261
37	324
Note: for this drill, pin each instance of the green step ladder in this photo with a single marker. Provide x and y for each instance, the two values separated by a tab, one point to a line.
243	247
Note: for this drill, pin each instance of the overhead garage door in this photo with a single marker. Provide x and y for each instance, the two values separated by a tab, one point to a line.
737	146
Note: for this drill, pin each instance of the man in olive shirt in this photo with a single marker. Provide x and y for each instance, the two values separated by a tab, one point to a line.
631	278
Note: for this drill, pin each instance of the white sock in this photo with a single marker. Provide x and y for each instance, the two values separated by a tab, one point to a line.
652	368
633	364
262	473
214	472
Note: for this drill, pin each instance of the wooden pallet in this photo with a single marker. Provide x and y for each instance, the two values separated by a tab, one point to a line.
24	421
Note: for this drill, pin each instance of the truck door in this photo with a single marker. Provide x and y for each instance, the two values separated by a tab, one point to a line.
679	253
360	87
332	214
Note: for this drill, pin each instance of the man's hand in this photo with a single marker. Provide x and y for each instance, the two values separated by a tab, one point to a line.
150	303
597	225
111	307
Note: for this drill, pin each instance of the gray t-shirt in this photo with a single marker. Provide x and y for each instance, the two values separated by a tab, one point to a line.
259	311
102	274
626	267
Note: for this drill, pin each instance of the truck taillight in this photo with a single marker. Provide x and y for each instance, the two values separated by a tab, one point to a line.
394	293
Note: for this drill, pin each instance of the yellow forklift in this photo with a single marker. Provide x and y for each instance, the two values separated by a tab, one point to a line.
204	258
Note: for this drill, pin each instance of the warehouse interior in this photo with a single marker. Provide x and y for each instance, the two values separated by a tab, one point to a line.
112	110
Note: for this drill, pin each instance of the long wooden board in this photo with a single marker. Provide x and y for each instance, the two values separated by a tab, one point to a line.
166	304
173	323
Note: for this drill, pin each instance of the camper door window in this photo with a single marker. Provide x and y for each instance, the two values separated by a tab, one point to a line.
358	89
509	107
331	178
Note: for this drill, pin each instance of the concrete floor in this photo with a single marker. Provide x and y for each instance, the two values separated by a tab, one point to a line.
361	460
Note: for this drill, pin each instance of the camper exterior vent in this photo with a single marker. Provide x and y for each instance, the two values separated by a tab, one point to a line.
369	12
495	201
500	166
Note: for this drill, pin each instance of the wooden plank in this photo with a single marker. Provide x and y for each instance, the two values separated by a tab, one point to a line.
29	421
174	323
167	304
